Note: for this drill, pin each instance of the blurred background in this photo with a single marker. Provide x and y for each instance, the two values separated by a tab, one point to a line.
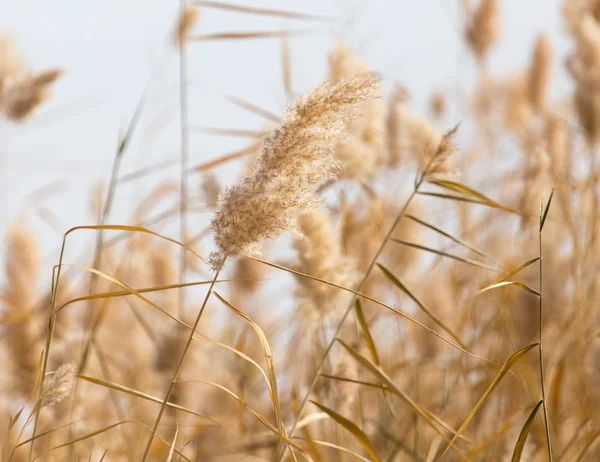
114	51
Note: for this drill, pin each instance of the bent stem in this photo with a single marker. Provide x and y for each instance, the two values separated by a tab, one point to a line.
179	367
351	306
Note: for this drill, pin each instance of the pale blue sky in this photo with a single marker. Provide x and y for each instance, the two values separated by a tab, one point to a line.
110	49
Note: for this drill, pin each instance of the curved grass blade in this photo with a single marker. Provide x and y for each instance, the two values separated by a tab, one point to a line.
512	273
461	188
365	328
130	289
421	305
420	411
508	364
139	394
445	254
270	365
341	448
360	436
239	353
454	238
383	305
545	215
123	293
516	457
258	416
508	283
110	427
138	229
450	197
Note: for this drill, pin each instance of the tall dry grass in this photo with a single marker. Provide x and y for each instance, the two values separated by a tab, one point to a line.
455	321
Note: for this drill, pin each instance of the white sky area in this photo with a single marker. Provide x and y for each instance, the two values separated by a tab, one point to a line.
111	49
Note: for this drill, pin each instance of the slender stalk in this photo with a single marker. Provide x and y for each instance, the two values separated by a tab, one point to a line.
46	355
541	310
91	321
350	307
183	120
179	367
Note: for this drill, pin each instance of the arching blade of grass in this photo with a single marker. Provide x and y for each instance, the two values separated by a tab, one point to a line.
450	197
254	413
336	446
137	229
421	305
147	397
512	273
131	290
518	451
124	293
269	358
110	427
365	328
239	353
454	238
383	305
510	362
420	411
446	254
508	283
353	429
461	188
359	382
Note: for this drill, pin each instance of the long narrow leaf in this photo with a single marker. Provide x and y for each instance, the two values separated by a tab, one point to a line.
421	305
353	429
445	254
269	358
454	238
509	363
512	273
461	188
360	316
516	457
420	411
545	215
139	394
508	283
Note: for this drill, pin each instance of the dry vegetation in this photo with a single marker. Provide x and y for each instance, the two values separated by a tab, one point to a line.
383	332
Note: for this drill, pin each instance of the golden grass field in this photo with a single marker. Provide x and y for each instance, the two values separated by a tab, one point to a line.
318	316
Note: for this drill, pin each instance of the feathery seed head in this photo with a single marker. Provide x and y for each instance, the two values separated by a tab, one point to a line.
296	158
483	31
59	385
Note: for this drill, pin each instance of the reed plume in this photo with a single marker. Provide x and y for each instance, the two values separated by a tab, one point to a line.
296	158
